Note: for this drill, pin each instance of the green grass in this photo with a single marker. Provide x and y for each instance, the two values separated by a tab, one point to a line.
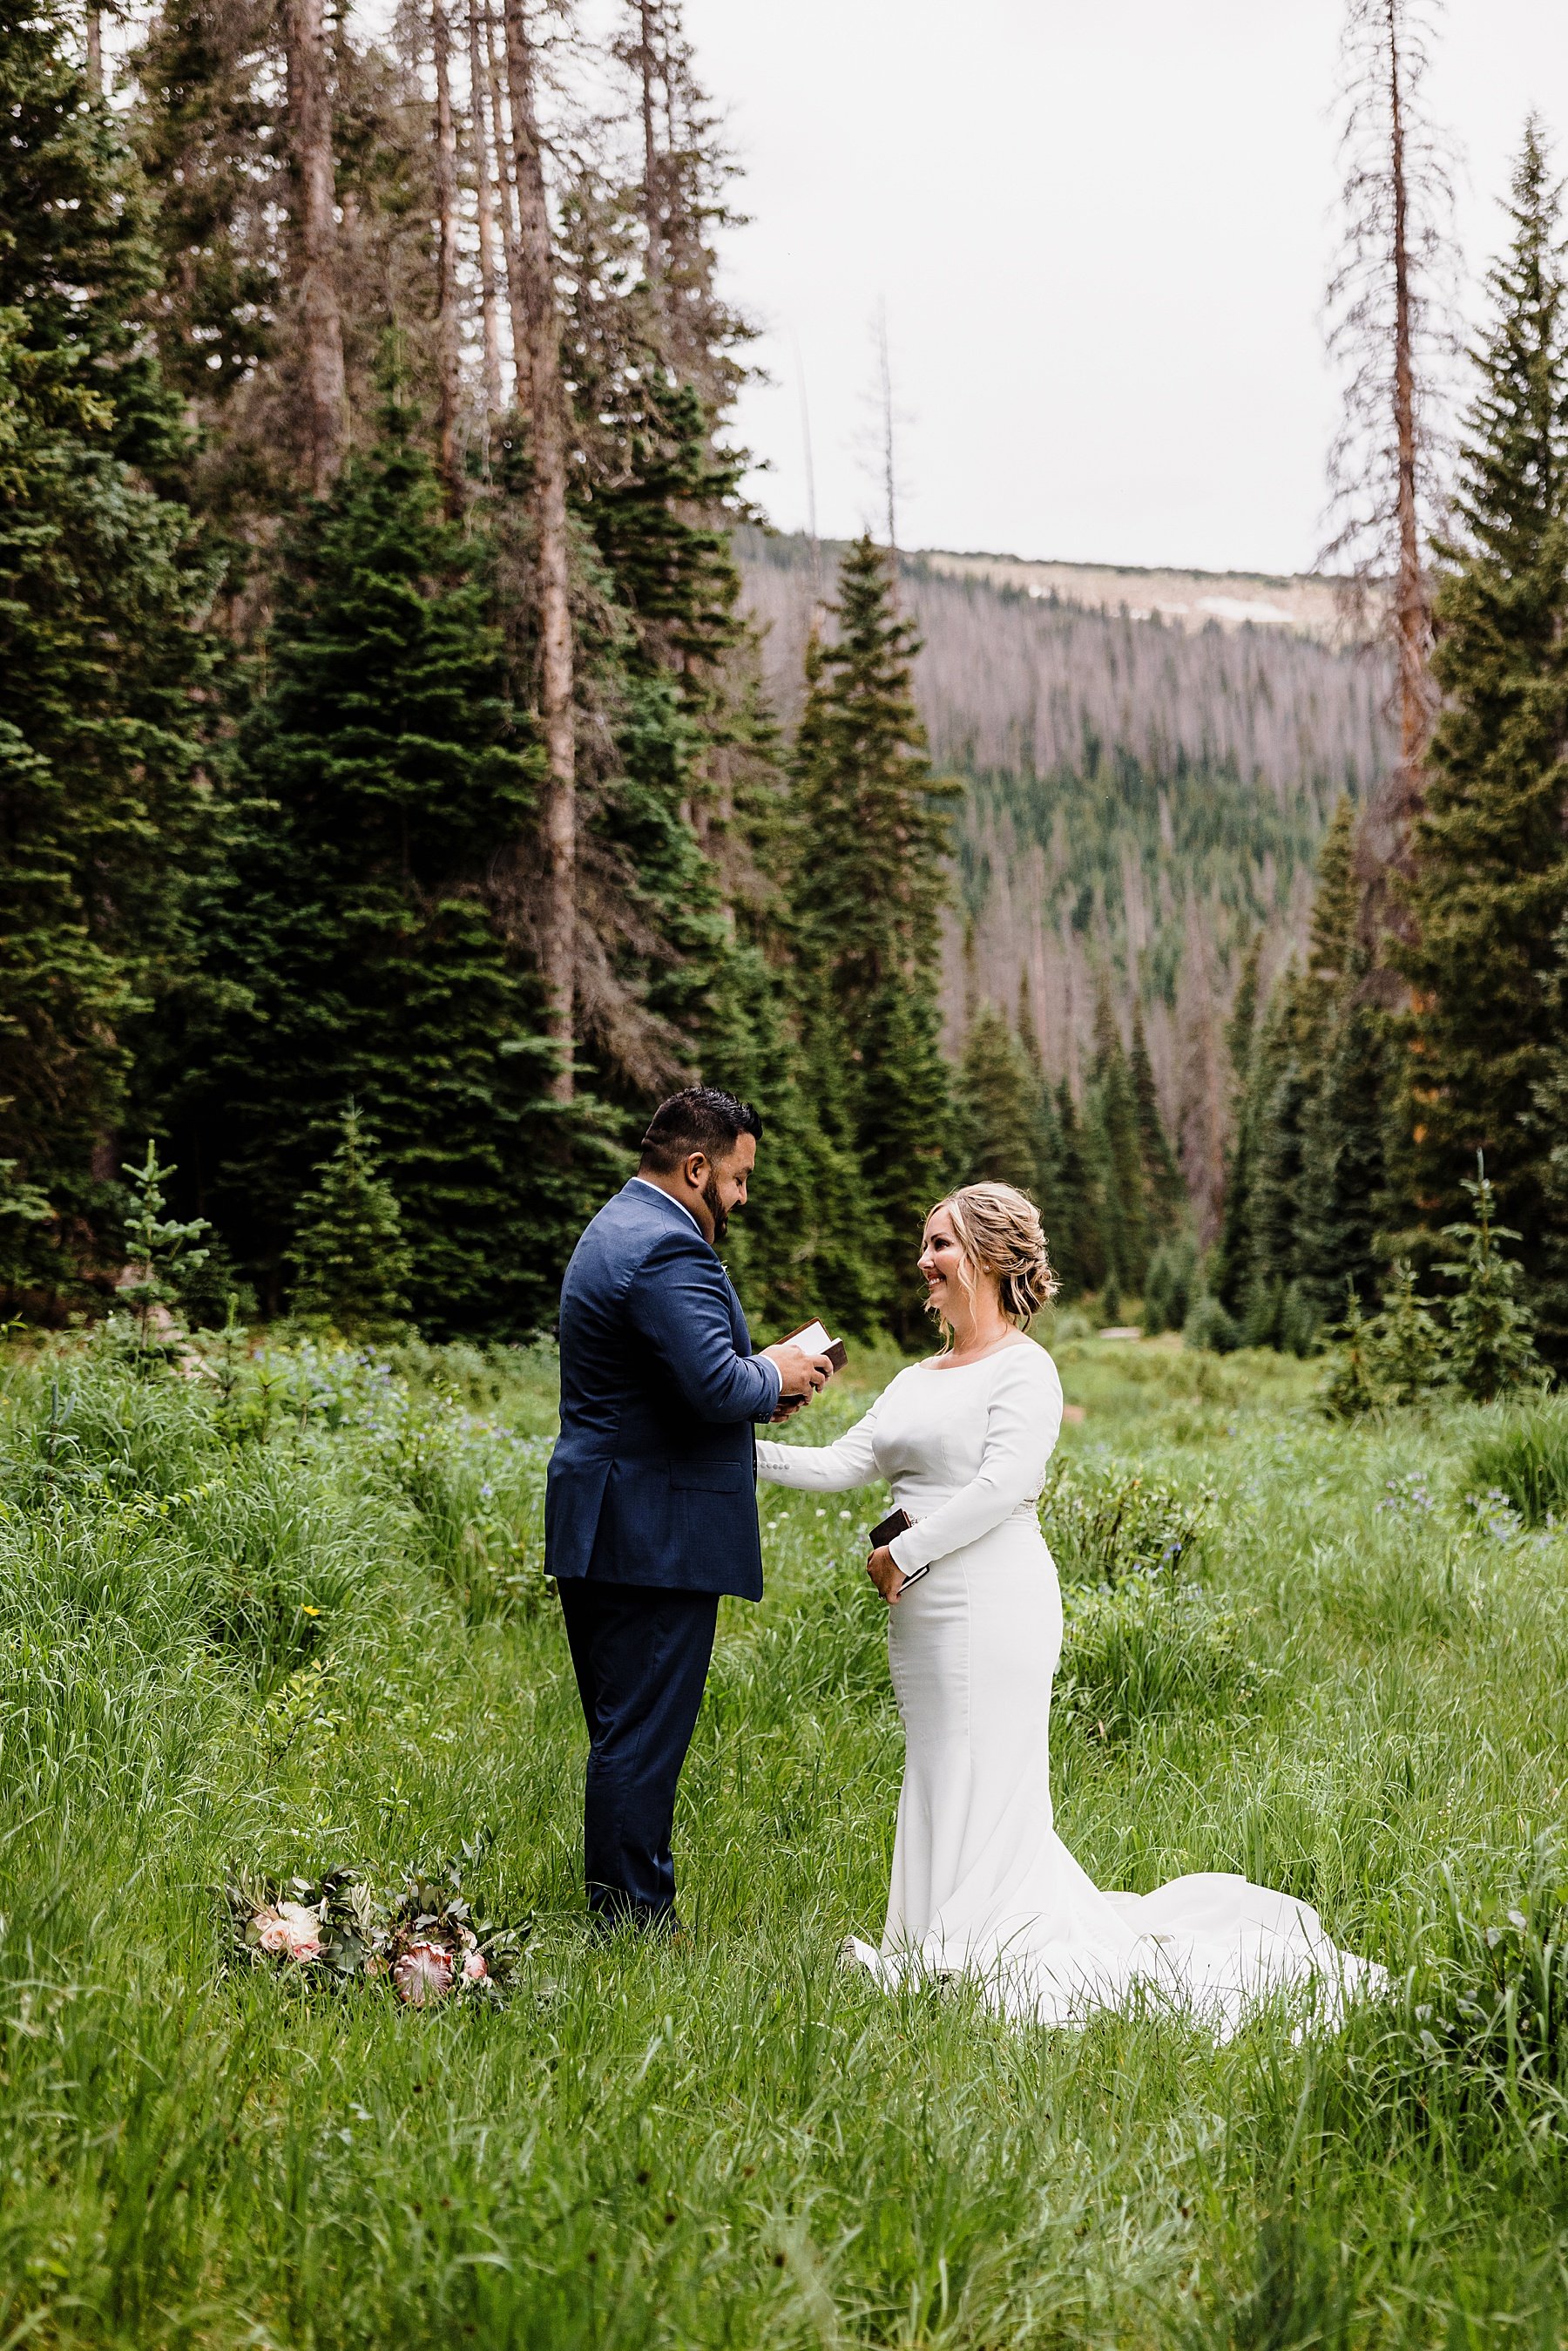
308	1625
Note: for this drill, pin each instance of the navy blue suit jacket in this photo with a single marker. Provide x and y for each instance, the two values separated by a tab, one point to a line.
653	1478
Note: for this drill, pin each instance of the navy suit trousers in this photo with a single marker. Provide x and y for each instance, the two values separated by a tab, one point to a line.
640	1656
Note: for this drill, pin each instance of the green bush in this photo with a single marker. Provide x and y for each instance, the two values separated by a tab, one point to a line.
1527	1460
1211	1327
1169	1285
1104	1524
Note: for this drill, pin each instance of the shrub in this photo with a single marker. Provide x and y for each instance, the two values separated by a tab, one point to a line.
1211	1327
1527	1460
1169	1289
1103	1525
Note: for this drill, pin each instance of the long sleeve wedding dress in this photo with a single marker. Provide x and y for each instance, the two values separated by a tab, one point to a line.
982	1884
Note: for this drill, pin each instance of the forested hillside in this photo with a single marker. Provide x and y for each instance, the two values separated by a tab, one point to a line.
1140	802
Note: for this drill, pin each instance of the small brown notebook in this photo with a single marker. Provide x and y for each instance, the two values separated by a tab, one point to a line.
814	1338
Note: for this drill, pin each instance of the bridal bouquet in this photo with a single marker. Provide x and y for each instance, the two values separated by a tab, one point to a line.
425	1939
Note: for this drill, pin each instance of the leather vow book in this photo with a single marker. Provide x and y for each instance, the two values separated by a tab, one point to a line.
814	1339
897	1523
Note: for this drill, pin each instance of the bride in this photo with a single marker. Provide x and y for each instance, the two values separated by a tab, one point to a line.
982	1886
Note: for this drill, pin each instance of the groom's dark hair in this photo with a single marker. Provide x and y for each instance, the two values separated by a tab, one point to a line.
703	1118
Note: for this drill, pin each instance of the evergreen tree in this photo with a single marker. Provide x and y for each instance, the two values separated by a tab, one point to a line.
1489	885
1406	1341
1077	1239
1354	1385
872	819
1345	1175
904	1136
363	941
1549	1127
1119	1148
1491	1345
353	1264
995	1095
100	809
1164	1190
1171	1286
867	884
158	1247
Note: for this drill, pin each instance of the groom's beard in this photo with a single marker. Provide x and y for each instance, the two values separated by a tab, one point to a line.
719	1214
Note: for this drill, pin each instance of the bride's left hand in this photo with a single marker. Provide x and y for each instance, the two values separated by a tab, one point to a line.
886	1574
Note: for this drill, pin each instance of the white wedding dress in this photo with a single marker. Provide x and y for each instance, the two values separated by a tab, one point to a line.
982	1886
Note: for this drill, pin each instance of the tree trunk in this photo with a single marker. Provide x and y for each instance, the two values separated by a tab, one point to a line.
316	245
536	260
1412	610
650	190
484	200
94	51
521	397
447	376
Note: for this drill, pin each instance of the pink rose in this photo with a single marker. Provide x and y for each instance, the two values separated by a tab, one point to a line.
423	1973
290	1928
474	1968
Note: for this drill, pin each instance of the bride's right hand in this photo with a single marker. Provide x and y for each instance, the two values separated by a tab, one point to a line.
886	1574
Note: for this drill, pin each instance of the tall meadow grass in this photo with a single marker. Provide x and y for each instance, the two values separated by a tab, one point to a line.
297	1617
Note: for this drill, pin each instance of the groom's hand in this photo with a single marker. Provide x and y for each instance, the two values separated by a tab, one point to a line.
800	1375
886	1574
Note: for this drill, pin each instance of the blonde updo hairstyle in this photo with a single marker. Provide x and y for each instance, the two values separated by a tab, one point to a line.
999	1232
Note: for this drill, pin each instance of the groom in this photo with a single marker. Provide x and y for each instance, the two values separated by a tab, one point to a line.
651	1506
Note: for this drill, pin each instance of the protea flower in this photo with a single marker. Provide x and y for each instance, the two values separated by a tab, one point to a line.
423	1972
474	1968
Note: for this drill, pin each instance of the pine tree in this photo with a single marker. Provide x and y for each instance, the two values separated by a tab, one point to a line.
1077	1239
1354	1385
1164	1190
868	885
904	1126
100	810
353	1263
158	1247
1406	1341
994	1095
363	942
1343	1168
873	819
1491	1345
1491	881
1117	1145
1549	1129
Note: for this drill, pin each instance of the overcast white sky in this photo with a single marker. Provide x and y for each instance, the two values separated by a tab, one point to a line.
1101	229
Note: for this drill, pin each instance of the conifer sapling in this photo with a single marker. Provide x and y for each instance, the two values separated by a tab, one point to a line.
354	1262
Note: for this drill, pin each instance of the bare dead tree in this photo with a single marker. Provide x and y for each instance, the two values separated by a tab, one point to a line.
536	258
813	541
647	11
885	420
448	356
1390	311
315	228
508	195
485	211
